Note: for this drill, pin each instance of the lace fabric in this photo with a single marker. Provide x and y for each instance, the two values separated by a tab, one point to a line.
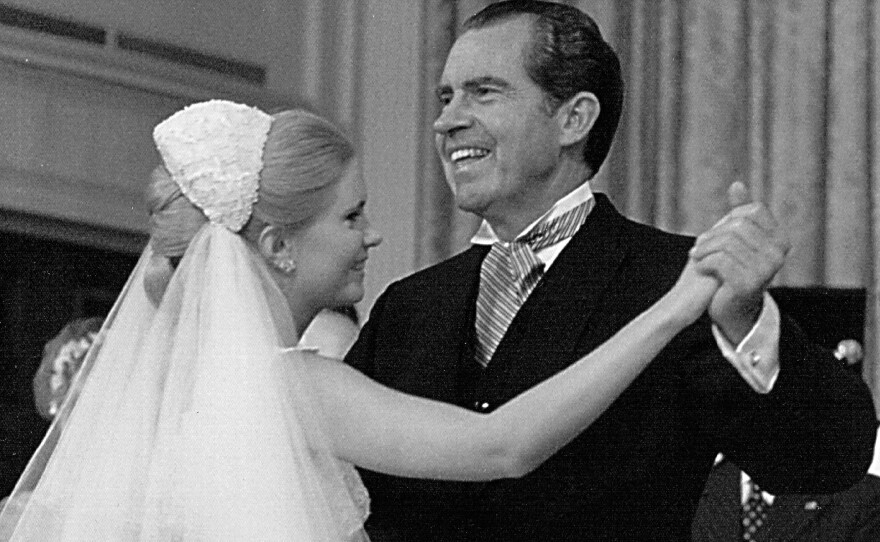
214	152
192	421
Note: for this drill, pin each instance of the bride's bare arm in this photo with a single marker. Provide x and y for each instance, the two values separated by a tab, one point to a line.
384	430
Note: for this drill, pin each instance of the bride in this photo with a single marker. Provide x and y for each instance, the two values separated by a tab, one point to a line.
196	417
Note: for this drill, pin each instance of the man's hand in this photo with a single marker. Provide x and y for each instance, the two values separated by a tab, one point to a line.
744	251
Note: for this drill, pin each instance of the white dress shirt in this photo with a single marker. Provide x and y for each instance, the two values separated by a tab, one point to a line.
874	469
756	358
744	490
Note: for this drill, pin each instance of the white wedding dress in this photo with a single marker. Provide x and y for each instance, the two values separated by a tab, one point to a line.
190	421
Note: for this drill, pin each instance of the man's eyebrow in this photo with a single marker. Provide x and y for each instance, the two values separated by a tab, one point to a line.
472	84
476	82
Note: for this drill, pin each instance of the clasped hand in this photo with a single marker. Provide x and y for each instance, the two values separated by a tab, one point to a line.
734	262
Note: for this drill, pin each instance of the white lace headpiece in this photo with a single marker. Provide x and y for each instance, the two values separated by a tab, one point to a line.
214	152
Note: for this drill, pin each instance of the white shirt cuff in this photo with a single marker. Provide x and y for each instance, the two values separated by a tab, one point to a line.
757	356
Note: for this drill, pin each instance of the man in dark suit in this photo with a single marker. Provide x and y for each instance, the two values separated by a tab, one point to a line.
531	98
852	515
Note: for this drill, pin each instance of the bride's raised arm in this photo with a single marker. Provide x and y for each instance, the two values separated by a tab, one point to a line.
387	431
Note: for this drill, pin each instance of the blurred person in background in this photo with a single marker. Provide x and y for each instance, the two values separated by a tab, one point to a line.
734	508
62	357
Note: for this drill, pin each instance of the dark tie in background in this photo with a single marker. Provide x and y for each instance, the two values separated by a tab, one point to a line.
754	514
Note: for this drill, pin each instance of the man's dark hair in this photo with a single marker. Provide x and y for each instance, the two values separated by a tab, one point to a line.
567	55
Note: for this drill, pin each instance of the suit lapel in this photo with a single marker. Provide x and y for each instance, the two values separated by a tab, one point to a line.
445	322
718	516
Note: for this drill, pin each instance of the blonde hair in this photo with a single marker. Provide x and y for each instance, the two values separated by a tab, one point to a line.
304	157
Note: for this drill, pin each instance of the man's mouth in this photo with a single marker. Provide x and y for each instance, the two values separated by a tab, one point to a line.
468	155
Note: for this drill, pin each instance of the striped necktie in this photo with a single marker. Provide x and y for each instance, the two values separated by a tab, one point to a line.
509	274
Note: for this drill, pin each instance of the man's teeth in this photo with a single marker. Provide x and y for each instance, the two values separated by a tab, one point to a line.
461	154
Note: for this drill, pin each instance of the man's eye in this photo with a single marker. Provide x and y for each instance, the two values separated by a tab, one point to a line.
482	92
444	97
353	216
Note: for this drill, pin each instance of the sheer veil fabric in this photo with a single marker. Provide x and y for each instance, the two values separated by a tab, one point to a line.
193	421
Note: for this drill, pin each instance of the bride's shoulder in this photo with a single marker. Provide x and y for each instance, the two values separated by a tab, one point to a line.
302	356
310	359
307	353
330	378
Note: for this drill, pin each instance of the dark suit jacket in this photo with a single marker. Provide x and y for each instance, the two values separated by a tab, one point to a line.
852	515
638	471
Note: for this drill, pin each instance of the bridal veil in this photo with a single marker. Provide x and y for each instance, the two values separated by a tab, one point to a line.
191	420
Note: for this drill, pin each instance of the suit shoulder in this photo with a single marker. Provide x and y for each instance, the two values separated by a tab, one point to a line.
651	235
654	251
637	234
453	272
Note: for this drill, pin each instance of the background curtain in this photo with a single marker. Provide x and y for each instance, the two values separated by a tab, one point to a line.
784	96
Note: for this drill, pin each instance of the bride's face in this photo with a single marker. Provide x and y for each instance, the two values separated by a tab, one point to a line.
331	253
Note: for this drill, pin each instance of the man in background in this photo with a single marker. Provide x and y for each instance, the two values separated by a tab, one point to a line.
733	508
62	357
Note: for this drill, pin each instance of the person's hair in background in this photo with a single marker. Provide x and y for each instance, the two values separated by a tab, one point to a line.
303	159
567	55
62	357
851	353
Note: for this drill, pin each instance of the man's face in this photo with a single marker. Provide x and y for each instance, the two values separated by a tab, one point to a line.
498	143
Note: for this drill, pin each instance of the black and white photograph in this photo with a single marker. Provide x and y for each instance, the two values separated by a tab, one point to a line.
439	270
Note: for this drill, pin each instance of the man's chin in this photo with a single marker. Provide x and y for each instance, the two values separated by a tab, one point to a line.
469	203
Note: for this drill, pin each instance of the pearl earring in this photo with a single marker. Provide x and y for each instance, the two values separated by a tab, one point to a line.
286	265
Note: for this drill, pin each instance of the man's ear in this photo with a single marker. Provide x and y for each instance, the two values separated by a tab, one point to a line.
276	246
576	117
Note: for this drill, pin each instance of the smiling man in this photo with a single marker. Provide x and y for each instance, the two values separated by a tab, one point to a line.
500	138
531	97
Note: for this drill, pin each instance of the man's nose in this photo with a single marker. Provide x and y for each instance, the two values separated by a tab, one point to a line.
454	116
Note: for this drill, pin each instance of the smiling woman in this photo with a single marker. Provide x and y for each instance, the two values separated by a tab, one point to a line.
257	223
330	254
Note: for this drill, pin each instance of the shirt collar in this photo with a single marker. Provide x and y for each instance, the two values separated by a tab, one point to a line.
583	193
874	469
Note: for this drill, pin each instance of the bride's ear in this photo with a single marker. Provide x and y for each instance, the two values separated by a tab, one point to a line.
276	246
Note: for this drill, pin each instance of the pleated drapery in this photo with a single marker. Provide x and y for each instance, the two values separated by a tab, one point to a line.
780	95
